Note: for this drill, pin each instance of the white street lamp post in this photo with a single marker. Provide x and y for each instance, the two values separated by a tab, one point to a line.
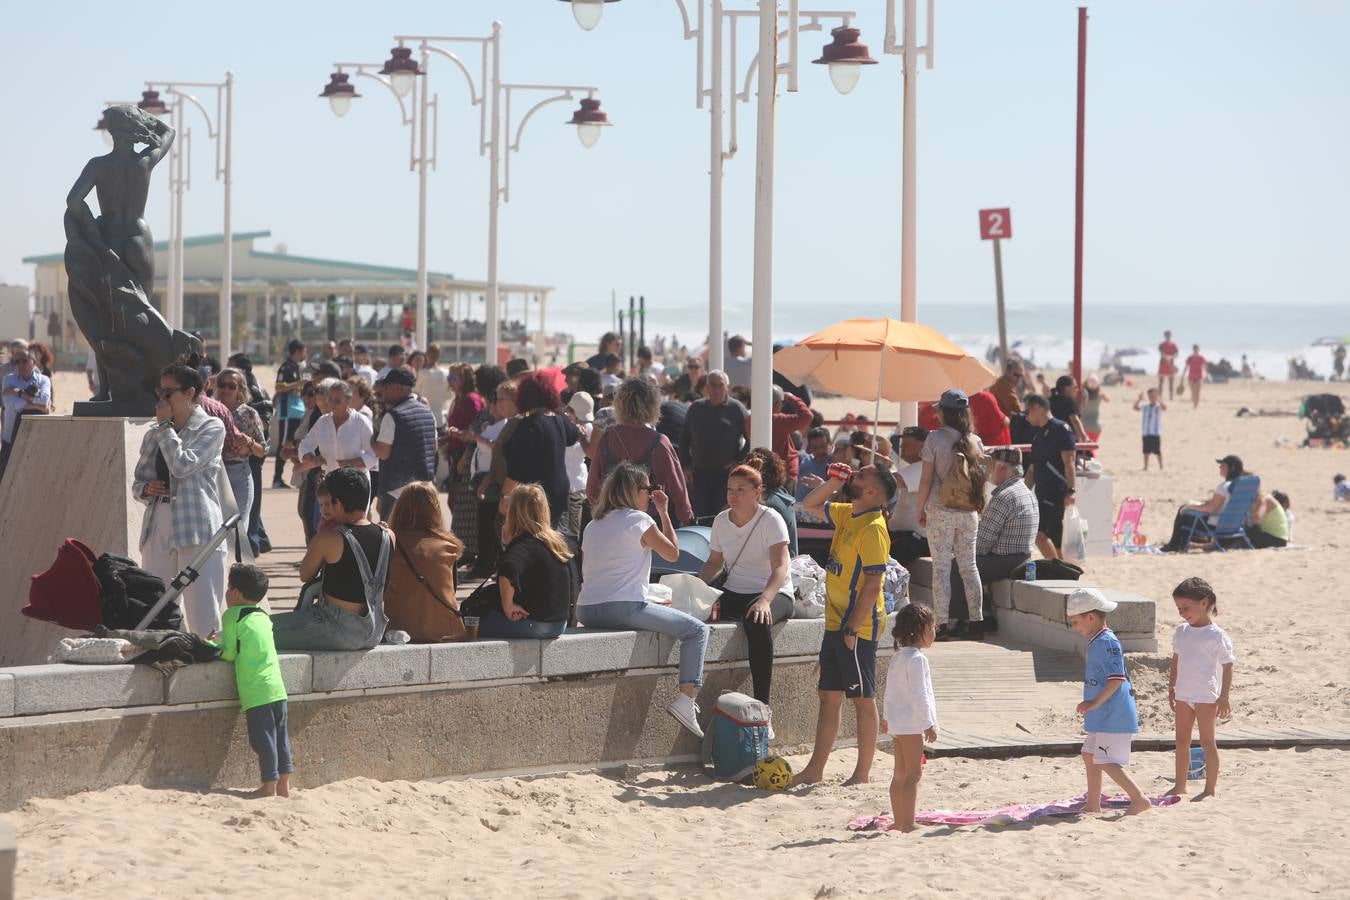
219	129
909	54
710	36
493	97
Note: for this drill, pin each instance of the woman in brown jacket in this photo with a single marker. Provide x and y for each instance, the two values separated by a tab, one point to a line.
420	598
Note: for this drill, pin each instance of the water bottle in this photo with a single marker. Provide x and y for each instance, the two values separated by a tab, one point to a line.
1197	769
1129	534
1031	571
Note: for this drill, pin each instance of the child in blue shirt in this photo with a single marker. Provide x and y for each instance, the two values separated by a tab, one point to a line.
1109	716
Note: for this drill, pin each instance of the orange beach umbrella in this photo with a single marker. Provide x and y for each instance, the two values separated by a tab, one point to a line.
882	359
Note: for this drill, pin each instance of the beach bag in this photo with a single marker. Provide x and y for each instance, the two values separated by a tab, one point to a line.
690	594
1049	570
739	735
957	490
1075	535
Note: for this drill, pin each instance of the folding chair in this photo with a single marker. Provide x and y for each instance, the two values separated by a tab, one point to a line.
1131	513
1234	519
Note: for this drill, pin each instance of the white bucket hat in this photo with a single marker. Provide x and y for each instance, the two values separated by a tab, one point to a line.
1085	600
583	406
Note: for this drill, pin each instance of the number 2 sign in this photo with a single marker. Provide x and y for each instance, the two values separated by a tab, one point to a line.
995	224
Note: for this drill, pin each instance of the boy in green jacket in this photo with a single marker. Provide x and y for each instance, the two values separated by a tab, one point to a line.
246	640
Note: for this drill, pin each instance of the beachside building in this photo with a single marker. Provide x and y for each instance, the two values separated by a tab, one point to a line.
278	296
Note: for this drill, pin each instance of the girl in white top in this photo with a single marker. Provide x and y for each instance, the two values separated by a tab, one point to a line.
750	541
910	711
616	566
1199	680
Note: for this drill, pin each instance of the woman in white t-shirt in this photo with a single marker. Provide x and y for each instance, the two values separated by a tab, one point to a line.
750	541
616	566
1230	470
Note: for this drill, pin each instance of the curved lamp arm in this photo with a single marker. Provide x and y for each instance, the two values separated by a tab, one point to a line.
565	93
212	126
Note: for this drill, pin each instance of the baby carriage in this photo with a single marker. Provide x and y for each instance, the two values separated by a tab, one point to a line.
1326	417
82	590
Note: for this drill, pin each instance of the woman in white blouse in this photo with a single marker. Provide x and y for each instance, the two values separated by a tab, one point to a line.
750	542
339	439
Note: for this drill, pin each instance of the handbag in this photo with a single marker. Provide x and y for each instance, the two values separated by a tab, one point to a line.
720	581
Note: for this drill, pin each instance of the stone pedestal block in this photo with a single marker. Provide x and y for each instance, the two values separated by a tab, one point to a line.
66	478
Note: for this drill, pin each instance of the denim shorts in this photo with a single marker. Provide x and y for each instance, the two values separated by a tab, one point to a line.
852	671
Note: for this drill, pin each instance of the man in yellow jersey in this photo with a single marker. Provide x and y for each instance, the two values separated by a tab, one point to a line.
855	612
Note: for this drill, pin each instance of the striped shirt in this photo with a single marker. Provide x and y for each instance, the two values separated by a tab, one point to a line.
1150	415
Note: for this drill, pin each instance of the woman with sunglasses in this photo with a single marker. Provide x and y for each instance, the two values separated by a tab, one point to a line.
232	391
178	479
616	566
26	392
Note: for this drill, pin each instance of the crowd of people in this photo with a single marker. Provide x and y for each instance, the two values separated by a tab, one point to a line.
563	481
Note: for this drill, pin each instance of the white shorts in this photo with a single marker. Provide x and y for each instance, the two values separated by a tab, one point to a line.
1108	749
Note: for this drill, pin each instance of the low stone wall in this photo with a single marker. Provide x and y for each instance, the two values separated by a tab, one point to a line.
1033	612
416	711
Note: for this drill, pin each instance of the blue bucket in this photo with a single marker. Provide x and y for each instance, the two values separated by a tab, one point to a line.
1197	769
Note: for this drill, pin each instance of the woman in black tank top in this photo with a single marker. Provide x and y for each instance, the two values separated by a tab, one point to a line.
342	579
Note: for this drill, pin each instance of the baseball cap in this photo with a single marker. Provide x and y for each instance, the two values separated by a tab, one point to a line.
582	405
953	398
360	348
1008	455
1085	600
1231	461
400	375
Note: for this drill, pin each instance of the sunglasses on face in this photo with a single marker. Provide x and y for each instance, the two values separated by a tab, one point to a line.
23	361
166	393
650	487
226	386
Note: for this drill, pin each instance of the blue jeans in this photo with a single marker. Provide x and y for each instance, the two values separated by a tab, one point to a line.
638	615
495	624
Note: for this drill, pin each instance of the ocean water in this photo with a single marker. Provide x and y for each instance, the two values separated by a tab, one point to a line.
1270	335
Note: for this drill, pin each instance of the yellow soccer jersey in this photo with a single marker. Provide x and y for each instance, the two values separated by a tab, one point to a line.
861	546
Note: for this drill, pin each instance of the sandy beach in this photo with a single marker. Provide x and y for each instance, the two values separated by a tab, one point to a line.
1275	826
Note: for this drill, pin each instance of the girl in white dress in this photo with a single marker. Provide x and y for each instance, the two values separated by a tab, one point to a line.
910	711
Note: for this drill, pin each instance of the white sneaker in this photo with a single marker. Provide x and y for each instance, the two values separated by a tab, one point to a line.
685	711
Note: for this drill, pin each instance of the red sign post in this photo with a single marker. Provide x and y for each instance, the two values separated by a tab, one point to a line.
995	225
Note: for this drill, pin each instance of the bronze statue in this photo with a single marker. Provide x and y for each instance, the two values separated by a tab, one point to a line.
110	264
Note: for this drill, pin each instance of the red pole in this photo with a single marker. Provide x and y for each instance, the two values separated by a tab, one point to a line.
1078	205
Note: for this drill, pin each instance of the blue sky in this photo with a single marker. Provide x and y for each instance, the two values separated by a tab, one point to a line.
1216	148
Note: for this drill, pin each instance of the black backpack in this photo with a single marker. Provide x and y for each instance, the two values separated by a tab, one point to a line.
609	462
127	592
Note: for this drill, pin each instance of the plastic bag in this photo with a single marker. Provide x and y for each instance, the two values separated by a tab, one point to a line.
808	583
691	594
1075	540
895	588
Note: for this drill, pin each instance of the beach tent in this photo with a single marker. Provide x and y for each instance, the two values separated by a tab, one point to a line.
882	359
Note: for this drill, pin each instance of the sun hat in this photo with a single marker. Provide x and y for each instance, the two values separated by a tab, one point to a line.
952	398
582	406
1084	600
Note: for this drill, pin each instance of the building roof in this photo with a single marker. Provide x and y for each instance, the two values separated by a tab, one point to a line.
201	240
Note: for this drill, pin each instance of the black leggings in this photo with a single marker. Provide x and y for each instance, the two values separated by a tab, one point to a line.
758	636
1263	541
286	429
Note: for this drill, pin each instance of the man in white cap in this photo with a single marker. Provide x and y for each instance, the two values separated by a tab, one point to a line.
1108	711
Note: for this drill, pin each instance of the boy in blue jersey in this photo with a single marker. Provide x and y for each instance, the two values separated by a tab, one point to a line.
1109	715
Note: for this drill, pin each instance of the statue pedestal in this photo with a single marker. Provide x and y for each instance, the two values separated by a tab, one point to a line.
67	477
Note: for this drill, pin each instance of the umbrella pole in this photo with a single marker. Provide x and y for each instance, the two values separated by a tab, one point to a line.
876	413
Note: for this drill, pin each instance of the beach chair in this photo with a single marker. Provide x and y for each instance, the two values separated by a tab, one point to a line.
1131	513
1233	520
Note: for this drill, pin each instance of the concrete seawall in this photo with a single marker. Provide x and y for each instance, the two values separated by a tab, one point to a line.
586	699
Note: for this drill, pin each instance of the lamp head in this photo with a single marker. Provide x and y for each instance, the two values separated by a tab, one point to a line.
845	55
588	12
339	92
402	69
589	119
151	103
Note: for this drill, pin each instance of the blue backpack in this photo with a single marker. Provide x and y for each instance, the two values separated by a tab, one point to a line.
739	735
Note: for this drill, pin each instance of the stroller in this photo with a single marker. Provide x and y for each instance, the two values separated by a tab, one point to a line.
82	591
1326	417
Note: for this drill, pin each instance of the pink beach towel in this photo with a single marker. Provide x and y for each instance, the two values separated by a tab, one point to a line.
1003	815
